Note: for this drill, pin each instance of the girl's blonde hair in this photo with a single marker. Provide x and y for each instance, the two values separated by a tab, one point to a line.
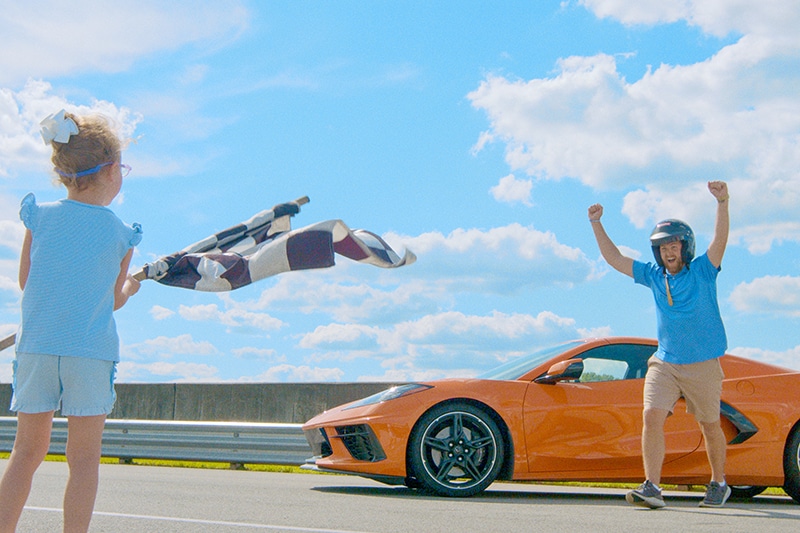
96	143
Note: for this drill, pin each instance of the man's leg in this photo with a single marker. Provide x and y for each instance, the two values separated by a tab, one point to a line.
30	447
715	449
703	388
653	447
648	494
717	492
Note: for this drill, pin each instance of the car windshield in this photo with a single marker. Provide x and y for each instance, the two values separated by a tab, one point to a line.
522	365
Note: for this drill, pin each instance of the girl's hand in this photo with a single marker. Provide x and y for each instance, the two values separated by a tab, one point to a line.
595	212
131	286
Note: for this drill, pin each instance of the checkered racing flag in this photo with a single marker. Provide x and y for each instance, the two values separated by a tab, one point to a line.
265	245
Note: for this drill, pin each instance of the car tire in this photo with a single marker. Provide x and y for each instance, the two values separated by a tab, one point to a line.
455	450
412	483
791	465
745	492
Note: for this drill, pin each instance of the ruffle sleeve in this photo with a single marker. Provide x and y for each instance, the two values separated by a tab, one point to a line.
28	210
136	235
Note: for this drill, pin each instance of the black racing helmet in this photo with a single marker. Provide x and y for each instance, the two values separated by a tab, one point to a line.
673	230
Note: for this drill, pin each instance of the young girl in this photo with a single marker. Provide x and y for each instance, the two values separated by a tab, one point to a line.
74	274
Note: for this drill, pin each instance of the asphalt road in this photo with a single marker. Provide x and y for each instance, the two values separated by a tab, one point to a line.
158	499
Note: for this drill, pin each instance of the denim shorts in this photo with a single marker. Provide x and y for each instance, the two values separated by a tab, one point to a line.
79	386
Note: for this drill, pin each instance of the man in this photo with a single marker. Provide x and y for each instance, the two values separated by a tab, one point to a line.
691	338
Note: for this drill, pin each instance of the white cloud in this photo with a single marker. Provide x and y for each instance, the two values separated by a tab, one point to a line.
734	116
770	294
21	145
261	354
235	318
496	327
641	12
169	346
11	227
690	204
511	190
522	242
9	275
590	333
339	294
342	336
761	212
503	259
5	331
759	238
403	370
589	123
499	260
716	17
298	374
442	344
378	315
178	372
52	38
160	313
788	358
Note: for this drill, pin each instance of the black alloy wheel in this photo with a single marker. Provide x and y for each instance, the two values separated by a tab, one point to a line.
791	465
455	450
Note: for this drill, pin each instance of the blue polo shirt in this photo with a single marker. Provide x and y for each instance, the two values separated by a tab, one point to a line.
690	330
68	301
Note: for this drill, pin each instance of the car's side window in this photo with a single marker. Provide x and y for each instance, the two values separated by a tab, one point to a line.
603	370
616	362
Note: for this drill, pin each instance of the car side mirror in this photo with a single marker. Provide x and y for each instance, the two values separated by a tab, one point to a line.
563	371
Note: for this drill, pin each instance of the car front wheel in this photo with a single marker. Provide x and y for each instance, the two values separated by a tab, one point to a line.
456	450
791	466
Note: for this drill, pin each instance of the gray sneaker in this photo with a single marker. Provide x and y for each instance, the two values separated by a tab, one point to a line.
646	495
716	495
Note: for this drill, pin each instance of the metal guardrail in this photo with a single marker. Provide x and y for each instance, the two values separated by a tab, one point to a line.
226	442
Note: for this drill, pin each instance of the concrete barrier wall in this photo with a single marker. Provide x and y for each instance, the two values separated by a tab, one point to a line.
292	403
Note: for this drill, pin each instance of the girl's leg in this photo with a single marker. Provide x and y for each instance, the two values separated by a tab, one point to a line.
30	447
84	440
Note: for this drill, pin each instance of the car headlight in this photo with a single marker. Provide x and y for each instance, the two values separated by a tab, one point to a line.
390	394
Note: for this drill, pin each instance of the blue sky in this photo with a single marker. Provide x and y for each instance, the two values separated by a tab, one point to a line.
474	133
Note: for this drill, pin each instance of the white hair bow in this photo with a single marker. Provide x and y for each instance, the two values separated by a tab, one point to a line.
57	127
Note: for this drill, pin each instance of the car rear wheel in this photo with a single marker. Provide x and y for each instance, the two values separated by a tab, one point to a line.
744	492
791	466
455	450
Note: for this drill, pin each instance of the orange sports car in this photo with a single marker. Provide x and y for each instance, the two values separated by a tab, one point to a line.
572	412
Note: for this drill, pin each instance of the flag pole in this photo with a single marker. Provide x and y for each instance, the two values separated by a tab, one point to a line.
8	341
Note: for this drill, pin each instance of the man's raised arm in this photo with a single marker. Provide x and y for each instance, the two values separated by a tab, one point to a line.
610	252
722	226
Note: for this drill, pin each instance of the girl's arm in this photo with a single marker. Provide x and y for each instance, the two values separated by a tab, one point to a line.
25	260
126	286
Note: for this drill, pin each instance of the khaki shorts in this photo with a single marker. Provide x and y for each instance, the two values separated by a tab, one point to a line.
700	384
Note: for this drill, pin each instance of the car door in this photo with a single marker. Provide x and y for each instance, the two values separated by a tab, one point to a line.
595	424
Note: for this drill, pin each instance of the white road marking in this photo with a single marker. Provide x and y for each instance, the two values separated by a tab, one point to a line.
204	522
